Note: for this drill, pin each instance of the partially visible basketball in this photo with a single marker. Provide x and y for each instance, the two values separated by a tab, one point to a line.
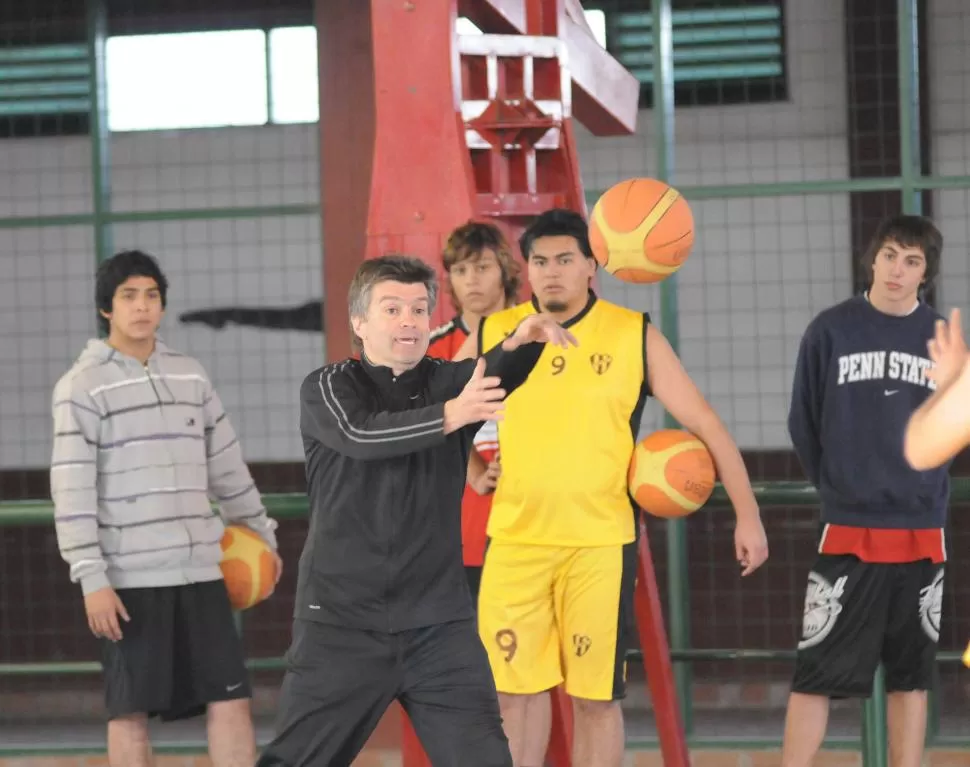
641	230
248	567
671	474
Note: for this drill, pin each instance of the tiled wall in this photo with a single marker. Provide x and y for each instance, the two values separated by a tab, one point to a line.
949	69
761	268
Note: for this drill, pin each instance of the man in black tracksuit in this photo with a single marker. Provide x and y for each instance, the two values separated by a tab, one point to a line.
382	608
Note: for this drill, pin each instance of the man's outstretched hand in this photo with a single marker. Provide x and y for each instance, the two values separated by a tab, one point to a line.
480	400
948	351
539	327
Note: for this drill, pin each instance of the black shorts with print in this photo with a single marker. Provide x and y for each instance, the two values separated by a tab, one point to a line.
858	614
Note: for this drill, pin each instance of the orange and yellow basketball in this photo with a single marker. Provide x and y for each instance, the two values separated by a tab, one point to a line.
248	567
641	230
671	474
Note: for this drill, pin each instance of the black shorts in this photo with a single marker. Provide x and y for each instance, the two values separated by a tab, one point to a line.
340	681
179	653
858	614
474	575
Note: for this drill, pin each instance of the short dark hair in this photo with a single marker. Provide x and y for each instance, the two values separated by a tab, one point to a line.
390	268
115	271
910	232
558	222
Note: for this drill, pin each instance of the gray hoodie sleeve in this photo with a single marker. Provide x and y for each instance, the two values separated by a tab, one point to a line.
74	484
230	482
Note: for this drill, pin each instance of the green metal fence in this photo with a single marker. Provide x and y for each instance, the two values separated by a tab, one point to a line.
775	498
778	499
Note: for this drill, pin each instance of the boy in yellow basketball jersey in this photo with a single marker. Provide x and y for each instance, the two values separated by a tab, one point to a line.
556	600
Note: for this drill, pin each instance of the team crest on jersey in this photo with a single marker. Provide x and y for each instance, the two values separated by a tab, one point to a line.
931	607
600	362
823	604
581	644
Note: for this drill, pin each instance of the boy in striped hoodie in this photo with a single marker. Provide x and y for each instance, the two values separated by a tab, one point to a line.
141	443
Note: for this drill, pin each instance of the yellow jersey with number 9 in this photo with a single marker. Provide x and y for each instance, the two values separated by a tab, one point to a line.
569	431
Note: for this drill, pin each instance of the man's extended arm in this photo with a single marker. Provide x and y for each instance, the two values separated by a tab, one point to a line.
511	366
675	390
333	413
940	427
673	387
515	357
74	485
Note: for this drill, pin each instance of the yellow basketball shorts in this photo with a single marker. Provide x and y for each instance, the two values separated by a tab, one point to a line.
548	614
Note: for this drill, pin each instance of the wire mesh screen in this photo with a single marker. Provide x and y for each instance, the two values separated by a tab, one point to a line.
786	142
213	169
949	154
761	155
762	266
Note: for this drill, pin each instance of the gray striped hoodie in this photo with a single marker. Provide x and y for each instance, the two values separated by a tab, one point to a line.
138	451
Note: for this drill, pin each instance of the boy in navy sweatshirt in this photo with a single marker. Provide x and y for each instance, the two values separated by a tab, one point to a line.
875	591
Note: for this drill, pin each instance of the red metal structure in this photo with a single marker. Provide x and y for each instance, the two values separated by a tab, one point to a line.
423	129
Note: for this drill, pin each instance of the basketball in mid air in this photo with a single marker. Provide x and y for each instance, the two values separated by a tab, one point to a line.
641	230
671	474
248	567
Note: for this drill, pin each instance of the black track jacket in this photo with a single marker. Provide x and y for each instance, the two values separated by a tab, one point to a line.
383	552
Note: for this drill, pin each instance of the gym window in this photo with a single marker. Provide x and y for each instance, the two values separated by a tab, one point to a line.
190	80
725	52
44	90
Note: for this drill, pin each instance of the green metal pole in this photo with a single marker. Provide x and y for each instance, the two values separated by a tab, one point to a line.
875	742
909	106
678	584
910	160
97	18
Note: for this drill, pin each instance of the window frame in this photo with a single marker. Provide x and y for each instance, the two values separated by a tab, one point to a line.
154	17
727	92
